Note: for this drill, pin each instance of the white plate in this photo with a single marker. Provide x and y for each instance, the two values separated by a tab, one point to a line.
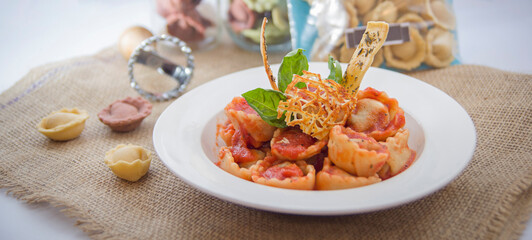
441	132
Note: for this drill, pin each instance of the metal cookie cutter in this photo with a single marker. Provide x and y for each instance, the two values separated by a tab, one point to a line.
145	54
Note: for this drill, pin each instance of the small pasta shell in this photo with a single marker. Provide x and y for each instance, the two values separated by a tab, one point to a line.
385	11
440	47
408	55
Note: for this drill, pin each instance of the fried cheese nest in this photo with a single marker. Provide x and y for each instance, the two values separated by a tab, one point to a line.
315	105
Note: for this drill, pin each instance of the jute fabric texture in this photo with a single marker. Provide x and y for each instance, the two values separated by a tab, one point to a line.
491	199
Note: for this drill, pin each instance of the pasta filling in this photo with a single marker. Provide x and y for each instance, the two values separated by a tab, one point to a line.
240	104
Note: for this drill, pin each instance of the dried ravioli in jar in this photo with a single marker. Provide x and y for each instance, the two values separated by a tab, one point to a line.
195	22
243	23
422	32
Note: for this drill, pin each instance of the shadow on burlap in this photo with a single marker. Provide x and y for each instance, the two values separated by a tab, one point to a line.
491	199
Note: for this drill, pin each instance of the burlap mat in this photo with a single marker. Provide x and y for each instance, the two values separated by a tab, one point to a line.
491	199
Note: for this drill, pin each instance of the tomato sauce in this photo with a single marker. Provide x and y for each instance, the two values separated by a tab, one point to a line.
240	104
239	149
356	135
225	132
282	172
292	142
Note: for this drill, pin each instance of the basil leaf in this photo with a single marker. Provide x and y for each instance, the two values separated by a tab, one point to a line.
293	63
301	85
336	71
265	102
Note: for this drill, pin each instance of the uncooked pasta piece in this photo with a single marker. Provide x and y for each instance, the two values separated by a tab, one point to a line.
284	174
125	115
363	6
401	156
292	144
440	14
356	153
333	178
63	125
416	6
248	121
378	59
350	7
129	162
415	21
346	53
440	46
408	55
376	115
385	11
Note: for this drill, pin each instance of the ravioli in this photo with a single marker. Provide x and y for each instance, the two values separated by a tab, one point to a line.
129	162
249	122
284	174
227	163
408	55
352	9
292	144
385	11
241	152
440	14
63	125
415	21
225	132
356	153
333	178
376	115
401	156
378	60
440	46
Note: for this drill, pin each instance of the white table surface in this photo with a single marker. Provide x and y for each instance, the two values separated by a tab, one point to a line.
38	32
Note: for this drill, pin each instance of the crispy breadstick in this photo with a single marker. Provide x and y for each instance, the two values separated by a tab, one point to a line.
372	40
265	56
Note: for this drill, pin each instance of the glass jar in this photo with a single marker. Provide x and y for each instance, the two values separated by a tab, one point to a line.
244	19
194	21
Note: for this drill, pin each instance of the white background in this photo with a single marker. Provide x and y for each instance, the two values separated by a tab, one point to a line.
494	33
